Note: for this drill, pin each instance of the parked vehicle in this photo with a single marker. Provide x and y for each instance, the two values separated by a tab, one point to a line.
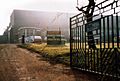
32	39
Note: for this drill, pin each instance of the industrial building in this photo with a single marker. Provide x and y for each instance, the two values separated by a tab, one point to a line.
37	23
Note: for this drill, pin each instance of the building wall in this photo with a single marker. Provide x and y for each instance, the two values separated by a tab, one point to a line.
43	20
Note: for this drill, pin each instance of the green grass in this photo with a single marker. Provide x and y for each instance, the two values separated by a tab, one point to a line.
59	53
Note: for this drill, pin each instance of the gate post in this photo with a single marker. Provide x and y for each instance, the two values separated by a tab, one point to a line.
70	44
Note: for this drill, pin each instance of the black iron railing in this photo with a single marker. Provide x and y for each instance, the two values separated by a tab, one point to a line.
105	59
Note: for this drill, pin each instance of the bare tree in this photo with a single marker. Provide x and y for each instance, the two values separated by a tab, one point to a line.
88	14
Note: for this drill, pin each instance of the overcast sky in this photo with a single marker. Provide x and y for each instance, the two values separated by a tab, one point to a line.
7	6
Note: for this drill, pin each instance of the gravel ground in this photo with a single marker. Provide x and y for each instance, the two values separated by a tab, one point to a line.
17	64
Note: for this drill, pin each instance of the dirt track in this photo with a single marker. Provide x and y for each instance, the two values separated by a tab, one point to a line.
18	64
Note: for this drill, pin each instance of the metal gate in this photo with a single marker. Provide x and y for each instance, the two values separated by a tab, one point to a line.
105	59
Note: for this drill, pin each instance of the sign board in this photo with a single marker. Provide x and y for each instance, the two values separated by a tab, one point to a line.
55	38
53	32
94	25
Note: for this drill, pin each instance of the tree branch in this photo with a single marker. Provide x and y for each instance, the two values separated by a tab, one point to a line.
81	9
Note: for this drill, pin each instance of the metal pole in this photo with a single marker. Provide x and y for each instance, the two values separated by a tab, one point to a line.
77	3
70	44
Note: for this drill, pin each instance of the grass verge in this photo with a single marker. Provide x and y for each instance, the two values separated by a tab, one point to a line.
54	54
